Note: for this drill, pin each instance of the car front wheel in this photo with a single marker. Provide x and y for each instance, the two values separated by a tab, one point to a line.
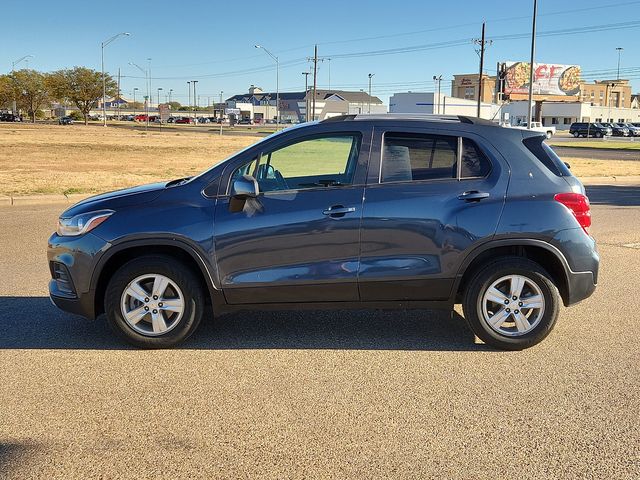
511	303
154	302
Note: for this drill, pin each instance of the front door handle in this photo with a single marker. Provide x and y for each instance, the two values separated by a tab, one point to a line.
473	196
338	211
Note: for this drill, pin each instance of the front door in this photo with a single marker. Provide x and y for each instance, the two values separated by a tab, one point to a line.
298	241
431	196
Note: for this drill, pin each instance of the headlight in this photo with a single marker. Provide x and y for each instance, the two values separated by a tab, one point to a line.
82	223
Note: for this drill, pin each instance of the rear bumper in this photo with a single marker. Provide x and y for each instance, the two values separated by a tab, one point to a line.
580	286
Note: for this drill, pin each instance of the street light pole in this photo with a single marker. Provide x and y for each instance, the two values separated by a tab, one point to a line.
159	90
147	98
189	88
134	102
439	80
13	67
277	84
104	80
533	54
370	77
170	92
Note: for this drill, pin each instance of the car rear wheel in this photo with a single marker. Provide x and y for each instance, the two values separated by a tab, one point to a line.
576	134
154	302
511	303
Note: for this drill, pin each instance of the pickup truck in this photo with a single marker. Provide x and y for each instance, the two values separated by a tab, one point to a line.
537	127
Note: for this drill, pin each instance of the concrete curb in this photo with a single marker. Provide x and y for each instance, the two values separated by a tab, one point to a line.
8	201
628	180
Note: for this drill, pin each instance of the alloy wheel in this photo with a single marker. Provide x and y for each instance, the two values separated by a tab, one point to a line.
152	304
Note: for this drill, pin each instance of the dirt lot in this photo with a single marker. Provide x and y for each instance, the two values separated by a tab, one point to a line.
49	159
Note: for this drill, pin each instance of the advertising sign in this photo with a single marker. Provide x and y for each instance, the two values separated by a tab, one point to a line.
548	78
163	108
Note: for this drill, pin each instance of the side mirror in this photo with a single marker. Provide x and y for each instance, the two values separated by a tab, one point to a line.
245	187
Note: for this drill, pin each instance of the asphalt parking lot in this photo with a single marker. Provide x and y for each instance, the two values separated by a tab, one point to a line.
321	395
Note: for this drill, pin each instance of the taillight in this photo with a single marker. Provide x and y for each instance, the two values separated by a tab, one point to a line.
579	206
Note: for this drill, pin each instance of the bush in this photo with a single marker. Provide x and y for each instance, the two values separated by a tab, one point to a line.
76	115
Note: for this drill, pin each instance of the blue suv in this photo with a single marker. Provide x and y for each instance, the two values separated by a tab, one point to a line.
366	211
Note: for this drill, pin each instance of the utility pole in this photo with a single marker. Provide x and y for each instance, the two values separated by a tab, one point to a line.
195	101
150	92
315	81
482	42
329	69
439	80
221	112
619	49
118	96
533	55
306	96
369	100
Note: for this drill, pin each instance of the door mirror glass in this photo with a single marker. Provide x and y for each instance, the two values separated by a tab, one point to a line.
245	187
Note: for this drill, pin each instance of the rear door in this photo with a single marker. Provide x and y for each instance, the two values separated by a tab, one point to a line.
432	194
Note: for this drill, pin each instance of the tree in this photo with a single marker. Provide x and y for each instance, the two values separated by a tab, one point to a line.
135	105
6	91
82	87
174	105
30	90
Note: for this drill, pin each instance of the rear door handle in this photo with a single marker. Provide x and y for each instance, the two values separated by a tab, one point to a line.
473	196
338	211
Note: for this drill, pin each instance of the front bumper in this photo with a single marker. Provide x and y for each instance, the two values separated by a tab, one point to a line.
76	258
83	304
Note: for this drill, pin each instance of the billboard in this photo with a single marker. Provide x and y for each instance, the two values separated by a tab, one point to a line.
548	78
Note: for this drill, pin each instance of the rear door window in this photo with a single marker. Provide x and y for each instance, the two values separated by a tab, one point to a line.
410	157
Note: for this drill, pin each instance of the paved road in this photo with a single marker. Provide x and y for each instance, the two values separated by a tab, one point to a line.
319	395
596	153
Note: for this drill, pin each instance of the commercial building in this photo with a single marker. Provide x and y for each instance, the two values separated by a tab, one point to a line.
467	86
260	106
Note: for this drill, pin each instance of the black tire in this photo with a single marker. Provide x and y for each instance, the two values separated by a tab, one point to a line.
576	134
493	271
598	135
178	273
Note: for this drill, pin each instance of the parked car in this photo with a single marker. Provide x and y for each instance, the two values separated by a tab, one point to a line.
633	130
171	120
65	121
583	129
402	212
617	130
141	118
184	120
245	121
549	131
10	117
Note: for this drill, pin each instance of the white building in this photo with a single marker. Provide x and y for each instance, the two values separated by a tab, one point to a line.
429	103
562	114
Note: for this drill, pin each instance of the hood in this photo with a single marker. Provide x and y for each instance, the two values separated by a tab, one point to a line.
117	199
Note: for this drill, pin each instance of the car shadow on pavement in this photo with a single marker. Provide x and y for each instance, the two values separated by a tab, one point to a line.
619	195
34	323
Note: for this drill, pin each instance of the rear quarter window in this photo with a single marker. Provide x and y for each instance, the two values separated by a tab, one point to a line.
545	154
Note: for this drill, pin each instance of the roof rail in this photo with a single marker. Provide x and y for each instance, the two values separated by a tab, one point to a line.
412	116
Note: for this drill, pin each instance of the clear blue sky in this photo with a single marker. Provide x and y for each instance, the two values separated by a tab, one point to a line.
213	42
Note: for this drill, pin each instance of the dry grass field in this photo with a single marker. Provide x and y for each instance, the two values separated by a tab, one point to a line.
50	159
